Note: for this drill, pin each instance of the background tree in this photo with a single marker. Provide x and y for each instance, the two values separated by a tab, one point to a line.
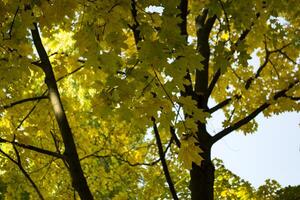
84	84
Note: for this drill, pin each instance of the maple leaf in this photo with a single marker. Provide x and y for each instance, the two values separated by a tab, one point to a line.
189	153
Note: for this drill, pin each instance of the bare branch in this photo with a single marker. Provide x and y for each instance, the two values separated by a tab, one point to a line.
33	148
70	73
24	101
226	16
29	113
219	106
163	161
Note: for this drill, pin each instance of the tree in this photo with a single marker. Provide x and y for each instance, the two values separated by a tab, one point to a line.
84	83
289	193
230	186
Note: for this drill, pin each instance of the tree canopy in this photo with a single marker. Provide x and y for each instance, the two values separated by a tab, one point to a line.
109	99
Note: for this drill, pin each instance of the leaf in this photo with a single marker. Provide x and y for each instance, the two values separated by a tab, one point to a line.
189	153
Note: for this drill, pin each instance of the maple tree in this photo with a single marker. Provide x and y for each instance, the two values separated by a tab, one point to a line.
109	99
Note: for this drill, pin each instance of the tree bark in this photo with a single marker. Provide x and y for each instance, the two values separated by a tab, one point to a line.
202	179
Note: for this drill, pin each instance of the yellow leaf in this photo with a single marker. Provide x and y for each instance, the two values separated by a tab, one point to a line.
189	153
225	36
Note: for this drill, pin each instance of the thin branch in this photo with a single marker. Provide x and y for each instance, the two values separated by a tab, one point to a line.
293	98
162	86
136	25
33	148
250	80
38	99
226	16
28	114
252	115
276	71
217	75
119	157
56	143
70	73
174	136
267	60
213	83
13	22
163	161
19	164
24	101
287	57
219	106
47	165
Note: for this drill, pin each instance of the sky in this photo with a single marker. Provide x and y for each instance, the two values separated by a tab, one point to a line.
273	152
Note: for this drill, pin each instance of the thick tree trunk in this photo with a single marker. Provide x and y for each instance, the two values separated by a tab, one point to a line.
202	179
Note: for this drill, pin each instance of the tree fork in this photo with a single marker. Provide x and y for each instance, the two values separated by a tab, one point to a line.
78	180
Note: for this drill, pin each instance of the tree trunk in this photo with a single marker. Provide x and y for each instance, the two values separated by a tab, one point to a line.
71	156
202	179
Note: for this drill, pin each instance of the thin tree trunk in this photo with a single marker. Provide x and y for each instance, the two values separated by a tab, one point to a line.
202	179
71	156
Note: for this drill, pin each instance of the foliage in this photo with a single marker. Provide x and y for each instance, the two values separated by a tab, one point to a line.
230	186
289	193
85	84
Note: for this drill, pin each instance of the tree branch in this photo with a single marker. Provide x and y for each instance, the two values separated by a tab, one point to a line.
174	136
219	106
30	111
33	148
213	83
136	25
12	23
24	101
252	115
217	75
267	60
19	164
119	157
204	26
183	7
163	161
